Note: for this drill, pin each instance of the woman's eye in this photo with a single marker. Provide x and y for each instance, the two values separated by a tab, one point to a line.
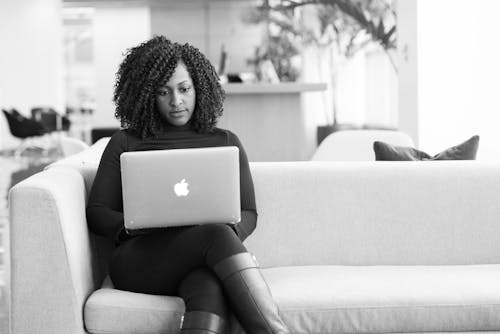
185	89
162	92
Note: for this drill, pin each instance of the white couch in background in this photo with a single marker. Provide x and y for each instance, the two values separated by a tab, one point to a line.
347	247
357	145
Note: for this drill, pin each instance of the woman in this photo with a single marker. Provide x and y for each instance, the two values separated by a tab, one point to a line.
168	96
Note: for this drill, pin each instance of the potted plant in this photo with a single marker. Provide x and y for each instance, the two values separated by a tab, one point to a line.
344	28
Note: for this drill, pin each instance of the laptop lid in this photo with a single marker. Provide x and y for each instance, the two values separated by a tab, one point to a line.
163	188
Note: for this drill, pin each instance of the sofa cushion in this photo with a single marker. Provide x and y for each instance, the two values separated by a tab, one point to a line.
375	213
121	312
361	299
464	151
336	299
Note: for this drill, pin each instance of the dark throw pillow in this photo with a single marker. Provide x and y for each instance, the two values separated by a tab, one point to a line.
465	151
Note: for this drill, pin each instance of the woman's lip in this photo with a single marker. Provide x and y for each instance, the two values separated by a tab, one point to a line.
177	111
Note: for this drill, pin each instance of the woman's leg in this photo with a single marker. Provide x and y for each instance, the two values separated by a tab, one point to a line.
156	263
206	310
249	296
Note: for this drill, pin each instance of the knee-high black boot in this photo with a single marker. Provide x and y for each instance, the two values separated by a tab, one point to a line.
200	322
249	295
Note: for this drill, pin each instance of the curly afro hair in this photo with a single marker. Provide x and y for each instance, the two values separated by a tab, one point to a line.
149	66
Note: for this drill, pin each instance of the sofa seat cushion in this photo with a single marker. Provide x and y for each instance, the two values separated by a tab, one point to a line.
362	299
335	299
115	311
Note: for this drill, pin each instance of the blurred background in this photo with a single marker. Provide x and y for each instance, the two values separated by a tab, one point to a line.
436	73
62	56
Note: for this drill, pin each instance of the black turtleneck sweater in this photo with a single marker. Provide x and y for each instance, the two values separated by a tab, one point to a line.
105	205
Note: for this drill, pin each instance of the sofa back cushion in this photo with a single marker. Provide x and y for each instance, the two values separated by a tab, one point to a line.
376	213
367	213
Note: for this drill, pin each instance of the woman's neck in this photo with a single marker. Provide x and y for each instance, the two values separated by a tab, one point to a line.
173	128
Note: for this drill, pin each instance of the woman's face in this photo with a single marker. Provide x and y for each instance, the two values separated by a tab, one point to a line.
176	99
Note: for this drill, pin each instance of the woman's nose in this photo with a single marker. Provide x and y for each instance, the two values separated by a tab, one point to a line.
175	100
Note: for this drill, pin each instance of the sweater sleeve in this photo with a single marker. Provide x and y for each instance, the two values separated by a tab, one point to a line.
105	205
248	208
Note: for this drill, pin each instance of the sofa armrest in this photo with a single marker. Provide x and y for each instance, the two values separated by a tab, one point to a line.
51	255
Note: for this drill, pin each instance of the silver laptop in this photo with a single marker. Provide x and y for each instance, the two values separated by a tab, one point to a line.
178	187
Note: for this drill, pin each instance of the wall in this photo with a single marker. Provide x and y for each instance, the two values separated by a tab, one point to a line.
458	74
451	76
116	30
30	57
381	89
408	121
208	25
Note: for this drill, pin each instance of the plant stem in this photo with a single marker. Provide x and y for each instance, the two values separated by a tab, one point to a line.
391	59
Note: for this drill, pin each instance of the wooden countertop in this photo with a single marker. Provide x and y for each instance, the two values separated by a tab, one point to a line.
268	88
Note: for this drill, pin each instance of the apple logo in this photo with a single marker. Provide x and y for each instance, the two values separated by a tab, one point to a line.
181	189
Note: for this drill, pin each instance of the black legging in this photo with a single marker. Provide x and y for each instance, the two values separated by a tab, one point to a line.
177	261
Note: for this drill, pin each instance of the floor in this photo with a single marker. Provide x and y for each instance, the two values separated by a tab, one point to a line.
12	171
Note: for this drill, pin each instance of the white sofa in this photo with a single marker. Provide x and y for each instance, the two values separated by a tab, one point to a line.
347	247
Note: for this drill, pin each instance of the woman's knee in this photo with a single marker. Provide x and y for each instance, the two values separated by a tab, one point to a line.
200	280
217	230
222	242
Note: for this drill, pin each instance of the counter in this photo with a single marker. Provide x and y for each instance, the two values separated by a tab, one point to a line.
270	120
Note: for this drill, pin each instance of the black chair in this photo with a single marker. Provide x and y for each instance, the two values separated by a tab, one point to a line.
25	129
22	127
98	133
49	118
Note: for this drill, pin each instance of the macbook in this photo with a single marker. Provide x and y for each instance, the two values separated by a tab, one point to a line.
177	187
